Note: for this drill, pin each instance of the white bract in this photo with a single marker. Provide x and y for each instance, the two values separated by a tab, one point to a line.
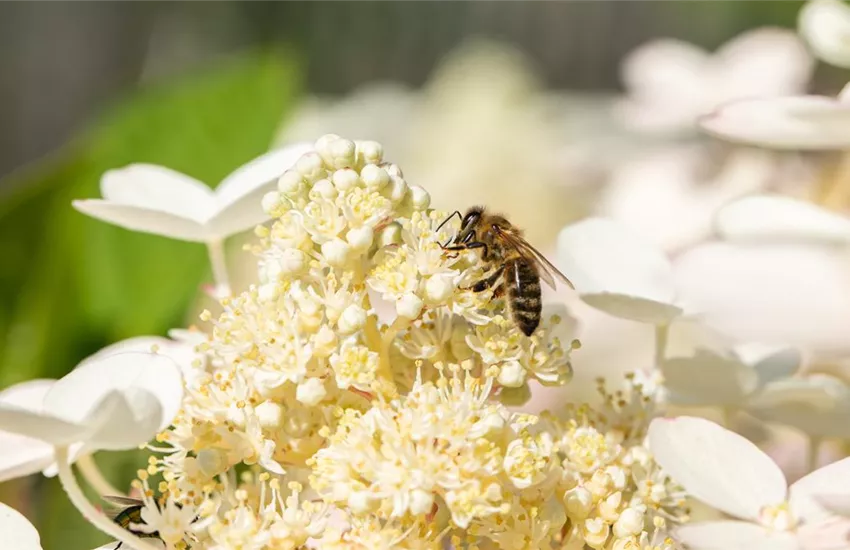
825	25
777	219
21	455
670	197
728	472
818	404
617	272
16	530
155	199
116	402
793	122
671	83
726	378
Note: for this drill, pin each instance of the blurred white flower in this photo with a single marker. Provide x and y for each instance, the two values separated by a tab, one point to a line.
669	197
116	402
670	83
778	219
817	404
825	25
481	132
792	295
728	472
726	378
617	272
155	199
793	122
18	533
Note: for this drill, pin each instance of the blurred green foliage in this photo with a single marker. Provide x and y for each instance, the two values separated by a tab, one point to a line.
70	285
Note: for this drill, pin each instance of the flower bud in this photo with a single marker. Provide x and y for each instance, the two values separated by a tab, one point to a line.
396	190
374	177
311	392
268	292
323	188
310	167
271	202
322	147
345	179
292	261
290	183
360	238
269	414
391	234
609	509
409	306
419	198
371	151
628	524
352	319
578	502
511	374
342	152
336	252
324	342
439	288
393	170
595	532
359	502
211	462
421	502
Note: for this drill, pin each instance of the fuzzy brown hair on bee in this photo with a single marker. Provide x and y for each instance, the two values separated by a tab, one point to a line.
514	268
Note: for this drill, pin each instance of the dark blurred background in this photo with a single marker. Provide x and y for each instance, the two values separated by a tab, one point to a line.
61	62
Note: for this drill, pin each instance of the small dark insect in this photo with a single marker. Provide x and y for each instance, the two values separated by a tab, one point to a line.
128	511
515	267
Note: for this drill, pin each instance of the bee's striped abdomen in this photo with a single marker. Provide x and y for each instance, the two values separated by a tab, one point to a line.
523	284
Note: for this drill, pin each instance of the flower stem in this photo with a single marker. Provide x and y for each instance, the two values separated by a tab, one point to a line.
79	500
94	477
219	267
661	334
813	452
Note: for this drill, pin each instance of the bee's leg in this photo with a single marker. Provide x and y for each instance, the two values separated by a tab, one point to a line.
499	291
444	222
484	284
469	246
119	545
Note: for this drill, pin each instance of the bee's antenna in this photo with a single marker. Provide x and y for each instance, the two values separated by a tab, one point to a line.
444	222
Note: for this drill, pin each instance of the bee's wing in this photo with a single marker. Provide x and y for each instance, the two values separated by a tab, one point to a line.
548	272
122	501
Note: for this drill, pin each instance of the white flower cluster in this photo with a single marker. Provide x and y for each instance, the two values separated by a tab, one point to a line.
363	432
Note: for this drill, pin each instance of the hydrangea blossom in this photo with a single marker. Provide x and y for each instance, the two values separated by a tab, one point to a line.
308	421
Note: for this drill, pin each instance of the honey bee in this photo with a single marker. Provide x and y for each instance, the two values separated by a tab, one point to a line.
515	267
128	511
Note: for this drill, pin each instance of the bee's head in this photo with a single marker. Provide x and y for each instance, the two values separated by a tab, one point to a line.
468	225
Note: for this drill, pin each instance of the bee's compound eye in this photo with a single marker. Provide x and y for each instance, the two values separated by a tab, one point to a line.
469	219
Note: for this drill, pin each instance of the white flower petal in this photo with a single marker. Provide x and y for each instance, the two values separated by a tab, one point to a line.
800	122
776	365
43	427
17	532
829	479
831	534
763	62
708	379
144	219
825	24
20	455
818	404
265	169
791	295
158	188
717	466
838	504
616	272
778	218
727	535
246	212
145	390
